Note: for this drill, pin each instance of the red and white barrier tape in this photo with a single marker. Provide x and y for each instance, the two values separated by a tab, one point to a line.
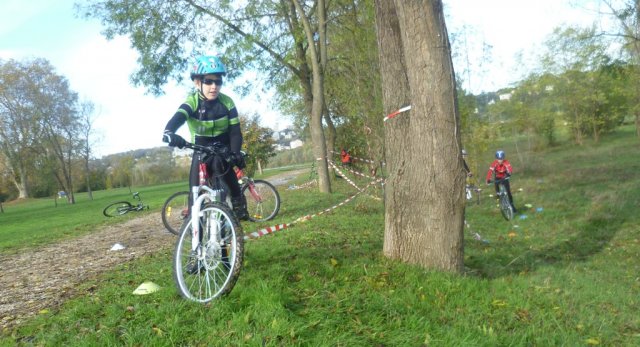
343	175
273	229
304	185
357	173
356	158
393	114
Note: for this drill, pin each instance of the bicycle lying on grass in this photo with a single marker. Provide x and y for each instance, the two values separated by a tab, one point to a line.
505	205
123	207
263	203
209	251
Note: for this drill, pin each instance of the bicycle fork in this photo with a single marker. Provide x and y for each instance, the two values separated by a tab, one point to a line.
214	235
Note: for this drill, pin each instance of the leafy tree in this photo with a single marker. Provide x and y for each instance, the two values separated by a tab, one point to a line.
586	85
284	39
18	119
39	123
122	172
258	142
423	222
627	14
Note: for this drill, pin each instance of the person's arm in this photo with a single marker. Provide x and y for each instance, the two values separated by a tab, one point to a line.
509	168
178	119
490	172
235	132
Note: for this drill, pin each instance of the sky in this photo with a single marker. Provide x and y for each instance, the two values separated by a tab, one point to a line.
127	119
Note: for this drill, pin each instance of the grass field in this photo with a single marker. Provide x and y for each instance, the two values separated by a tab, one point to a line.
565	272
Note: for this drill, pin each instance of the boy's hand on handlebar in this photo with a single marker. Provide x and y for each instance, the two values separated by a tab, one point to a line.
238	160
174	140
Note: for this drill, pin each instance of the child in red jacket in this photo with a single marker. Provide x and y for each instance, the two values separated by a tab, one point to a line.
499	170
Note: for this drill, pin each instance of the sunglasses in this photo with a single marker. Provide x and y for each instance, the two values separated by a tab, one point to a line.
209	81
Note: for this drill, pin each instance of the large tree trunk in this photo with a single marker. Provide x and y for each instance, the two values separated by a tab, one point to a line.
316	97
22	184
424	205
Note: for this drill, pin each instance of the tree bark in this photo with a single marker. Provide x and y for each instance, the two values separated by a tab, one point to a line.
424	204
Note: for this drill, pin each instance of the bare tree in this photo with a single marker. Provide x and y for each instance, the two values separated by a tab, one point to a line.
424	205
86	134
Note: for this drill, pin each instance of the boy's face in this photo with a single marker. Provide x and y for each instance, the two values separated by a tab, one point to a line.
210	86
500	161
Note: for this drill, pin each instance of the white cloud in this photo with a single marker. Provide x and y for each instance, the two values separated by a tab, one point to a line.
98	70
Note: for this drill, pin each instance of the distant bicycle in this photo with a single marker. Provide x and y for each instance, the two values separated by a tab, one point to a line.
263	200
505	205
123	207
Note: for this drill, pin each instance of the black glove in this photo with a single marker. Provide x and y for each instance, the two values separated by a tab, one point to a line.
237	159
488	181
174	140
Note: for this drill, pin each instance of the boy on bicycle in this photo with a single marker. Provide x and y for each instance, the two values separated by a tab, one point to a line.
212	118
499	170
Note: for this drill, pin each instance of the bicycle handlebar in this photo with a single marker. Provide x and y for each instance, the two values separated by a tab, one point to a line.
501	180
215	149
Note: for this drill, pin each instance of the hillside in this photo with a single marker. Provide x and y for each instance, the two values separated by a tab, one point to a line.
564	272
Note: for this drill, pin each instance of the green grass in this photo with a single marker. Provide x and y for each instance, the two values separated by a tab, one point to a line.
39	221
566	273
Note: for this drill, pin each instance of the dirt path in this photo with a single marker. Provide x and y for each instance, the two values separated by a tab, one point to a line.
45	277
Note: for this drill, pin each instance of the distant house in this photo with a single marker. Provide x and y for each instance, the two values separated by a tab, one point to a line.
296	143
506	96
286	139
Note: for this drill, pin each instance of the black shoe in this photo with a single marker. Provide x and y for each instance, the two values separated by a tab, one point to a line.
240	208
194	266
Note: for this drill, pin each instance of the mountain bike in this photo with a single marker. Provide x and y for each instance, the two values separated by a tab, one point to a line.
263	200
210	249
123	207
505	205
263	203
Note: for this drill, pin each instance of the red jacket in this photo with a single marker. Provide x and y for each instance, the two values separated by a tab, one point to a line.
346	158
501	170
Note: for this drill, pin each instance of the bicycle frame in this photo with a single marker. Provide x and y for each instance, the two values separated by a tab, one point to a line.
210	196
245	180
505	203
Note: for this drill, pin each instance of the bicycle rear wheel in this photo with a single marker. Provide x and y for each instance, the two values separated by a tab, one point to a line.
210	268
117	209
175	211
263	200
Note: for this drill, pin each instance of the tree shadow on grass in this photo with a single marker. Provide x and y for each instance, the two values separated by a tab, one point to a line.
508	258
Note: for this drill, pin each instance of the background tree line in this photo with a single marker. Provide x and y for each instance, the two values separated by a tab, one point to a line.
46	141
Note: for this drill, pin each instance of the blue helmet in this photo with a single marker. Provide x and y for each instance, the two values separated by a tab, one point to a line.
500	154
207	65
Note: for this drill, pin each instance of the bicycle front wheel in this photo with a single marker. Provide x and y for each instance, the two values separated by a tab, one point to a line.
505	205
209	267
175	211
263	200
117	209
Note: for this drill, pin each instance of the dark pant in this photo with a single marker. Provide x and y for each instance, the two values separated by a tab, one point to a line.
229	178
507	186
